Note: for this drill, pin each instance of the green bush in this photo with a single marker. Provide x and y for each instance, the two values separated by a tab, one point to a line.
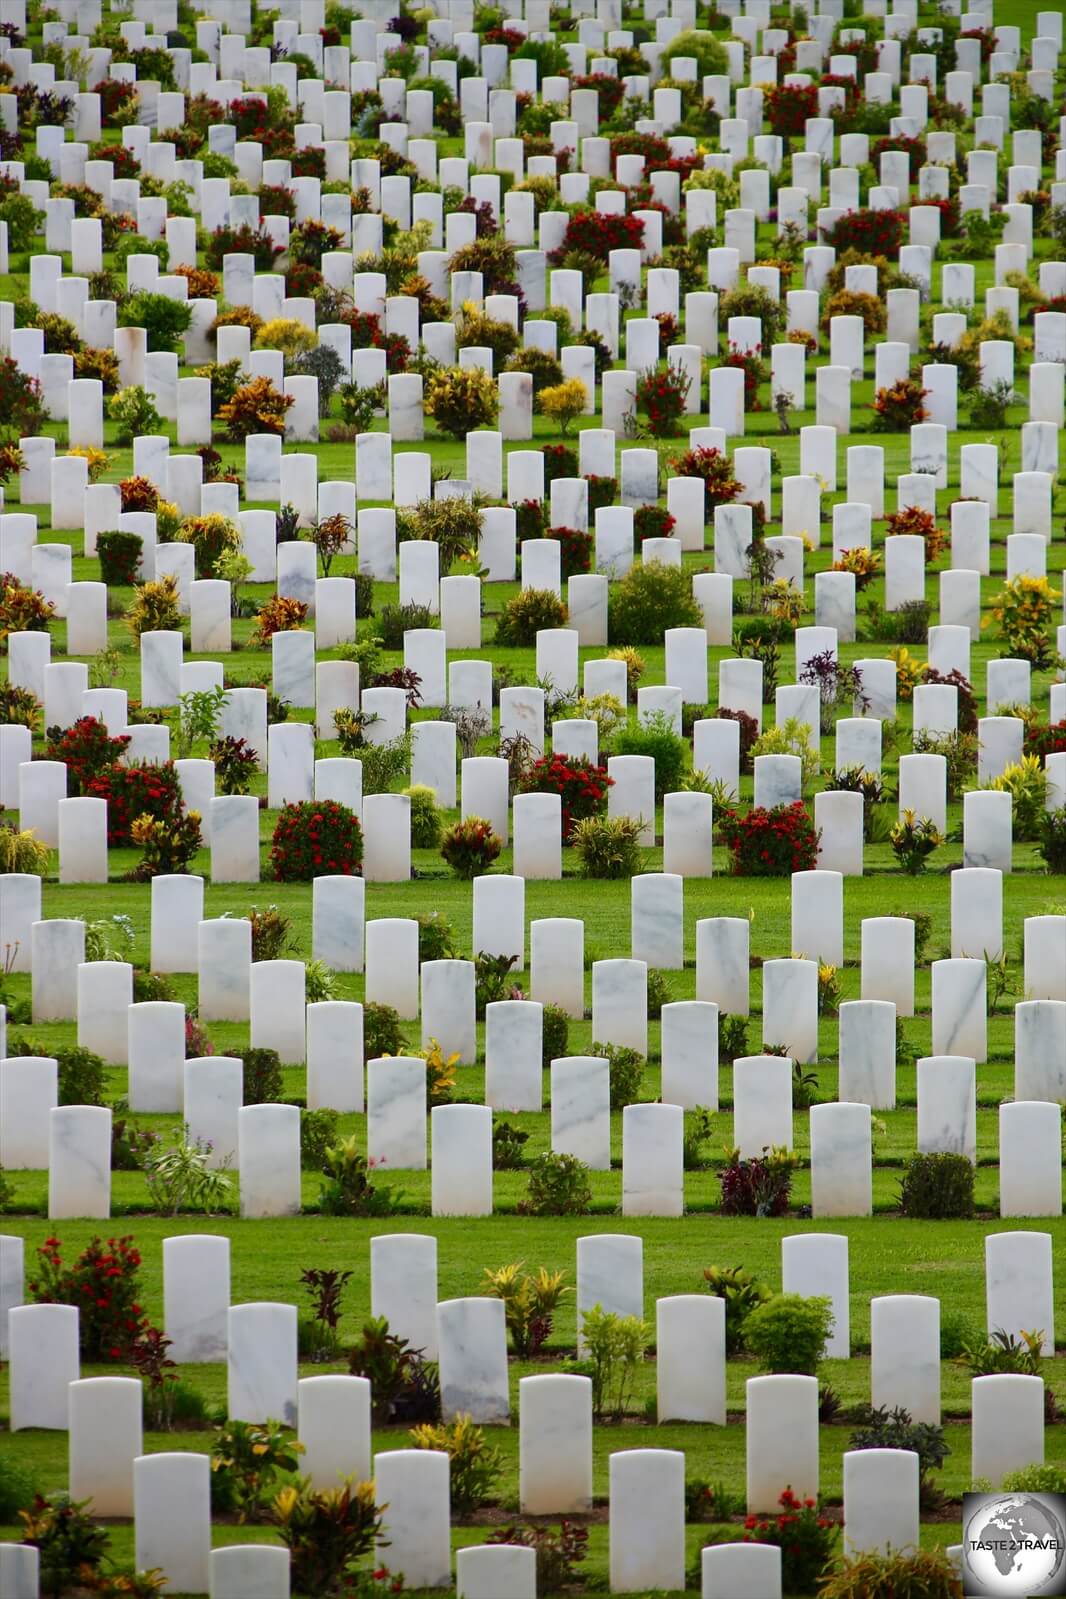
1036	1479
926	1574
708	51
436	938
425	817
262	1076
318	1131
742	1293
648	600
555	1034
120	556
937	1187
82	1076
383	1032
134	414
626	1071
655	736
558	1186
163	319
608	846
788	1332
614	1349
17	1489
395	620
526	614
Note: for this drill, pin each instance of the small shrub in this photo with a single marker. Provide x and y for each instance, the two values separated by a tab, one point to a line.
348	1189
575	549
913	840
403	1386
1023	611
759	1186
236	764
924	1573
804	1537
18	1489
383	1032
614	1348
609	846
661	394
163	319
558	1553
136	791
256	407
901	405
742	1293
771	843
474	1468
650	599
461	399
937	1187
69	1542
20	707
882	1428
104	1283
261	1076
178	1177
22	609
134	414
788	1332
1051	840
316	838
655	736
120	558
508	1143
581	786
526	614
558	1186
989	406
555	1034
318	1131
626	1068
326	1530
470	846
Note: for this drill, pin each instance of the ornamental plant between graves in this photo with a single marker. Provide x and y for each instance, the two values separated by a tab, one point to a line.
770	843
316	838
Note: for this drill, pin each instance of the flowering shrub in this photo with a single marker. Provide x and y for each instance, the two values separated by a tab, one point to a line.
759	1186
530	518
804	1538
581	786
913	148
913	520
771	843
787	107
316	839
470	847
897	408
86	749
597	233
256	407
135	791
279	614
652	522
872	232
575	549
720	487
103	1284
754	370
1042	741
602	491
661	395
1022	611
560	460
22	609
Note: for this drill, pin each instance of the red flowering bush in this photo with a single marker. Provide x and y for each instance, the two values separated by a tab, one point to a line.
1043	740
559	461
661	395
949	215
897	408
123	162
244	240
602	491
316	839
871	232
787	107
652	522
21	403
771	843
581	786
575	550
530	517
610	91
368	334
103	1284
310	162
669	330
804	1538
86	749
914	149
132	791
598	233
754	370
720	487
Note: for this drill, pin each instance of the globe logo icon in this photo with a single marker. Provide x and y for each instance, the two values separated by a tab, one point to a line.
1015	1545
